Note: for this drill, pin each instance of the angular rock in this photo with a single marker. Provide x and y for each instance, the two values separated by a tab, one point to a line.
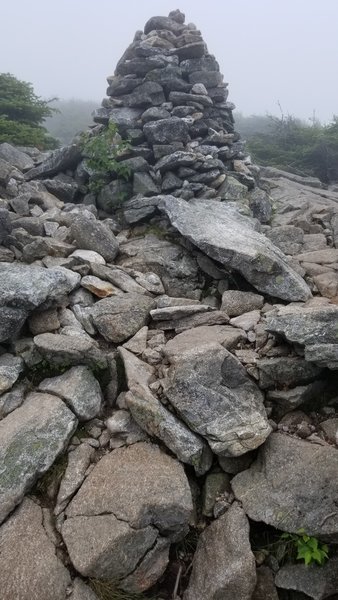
98	287
59	160
212	393
235	302
79	389
15	157
12	399
140	485
91	234
29	566
265	588
306	325
292	485
31	439
166	131
282	371
10	369
69	350
78	462
115	522
223	565
28	288
157	421
199	336
225	235
316	581
120	317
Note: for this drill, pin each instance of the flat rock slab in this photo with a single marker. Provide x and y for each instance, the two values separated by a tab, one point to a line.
292	485
31	437
79	389
211	391
29	566
219	230
225	335
223	565
118	318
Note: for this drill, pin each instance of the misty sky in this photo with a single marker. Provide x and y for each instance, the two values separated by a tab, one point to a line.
269	51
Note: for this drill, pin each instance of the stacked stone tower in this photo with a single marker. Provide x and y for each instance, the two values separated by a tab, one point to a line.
168	98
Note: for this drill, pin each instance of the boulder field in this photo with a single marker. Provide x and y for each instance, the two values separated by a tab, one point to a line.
168	353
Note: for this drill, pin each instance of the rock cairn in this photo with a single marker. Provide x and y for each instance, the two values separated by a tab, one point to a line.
168	97
168	366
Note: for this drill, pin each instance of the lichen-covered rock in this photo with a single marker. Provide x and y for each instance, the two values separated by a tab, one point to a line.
79	389
120	317
32	437
285	486
212	393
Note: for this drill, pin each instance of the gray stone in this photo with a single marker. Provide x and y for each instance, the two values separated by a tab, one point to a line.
223	565
235	302
6	172
292	485
265	588
124	430
113	195
247	320
316	581
5	225
235	464
78	462
119	86
307	325
12	399
98	287
59	160
225	235
281	371
43	321
165	131
144	184
138	343
163	496
137	209
10	369
178	312
175	266
167	23
31	439
118	278
283	401
157	421
15	157
173	160
91	234
130	499
70	349
29	566
154	114
79	389
287	238
212	393
81	591
120	317
64	190
148	93
214	486
200	336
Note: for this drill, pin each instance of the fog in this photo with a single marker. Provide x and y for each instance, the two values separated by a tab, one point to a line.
270	52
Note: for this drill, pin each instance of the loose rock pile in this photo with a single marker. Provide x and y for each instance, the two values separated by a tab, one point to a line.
168	364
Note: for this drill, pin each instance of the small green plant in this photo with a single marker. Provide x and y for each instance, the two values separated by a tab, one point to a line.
102	152
308	548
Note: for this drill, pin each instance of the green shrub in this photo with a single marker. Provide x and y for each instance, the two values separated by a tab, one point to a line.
102	152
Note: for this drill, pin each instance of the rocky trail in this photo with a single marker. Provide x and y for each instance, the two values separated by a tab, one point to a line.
168	353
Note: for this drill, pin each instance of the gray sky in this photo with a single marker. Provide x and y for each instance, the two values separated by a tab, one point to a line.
269	51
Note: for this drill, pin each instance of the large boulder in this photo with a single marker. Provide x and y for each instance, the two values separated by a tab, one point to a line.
212	393
32	437
133	500
292	485
223	565
230	238
91	234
